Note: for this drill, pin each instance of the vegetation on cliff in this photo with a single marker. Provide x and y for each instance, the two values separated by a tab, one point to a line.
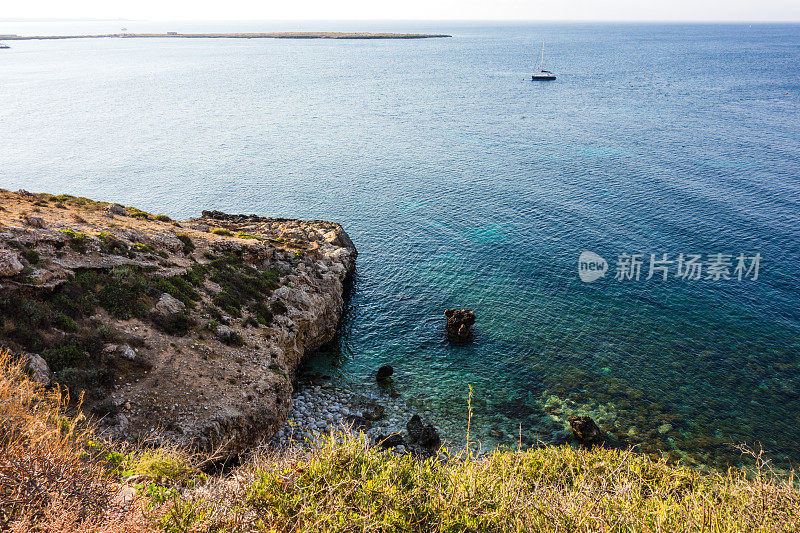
191	330
57	475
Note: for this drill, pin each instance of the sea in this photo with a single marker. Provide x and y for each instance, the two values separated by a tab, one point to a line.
665	156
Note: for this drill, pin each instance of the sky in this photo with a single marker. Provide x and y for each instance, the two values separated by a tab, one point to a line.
636	10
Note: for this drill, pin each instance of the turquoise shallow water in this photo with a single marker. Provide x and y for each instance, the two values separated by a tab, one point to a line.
465	186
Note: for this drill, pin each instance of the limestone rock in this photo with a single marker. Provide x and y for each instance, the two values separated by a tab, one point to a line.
116	209
373	412
224	333
127	352
40	371
35	222
178	380
10	265
168	306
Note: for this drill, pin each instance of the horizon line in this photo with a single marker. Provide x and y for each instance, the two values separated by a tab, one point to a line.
560	21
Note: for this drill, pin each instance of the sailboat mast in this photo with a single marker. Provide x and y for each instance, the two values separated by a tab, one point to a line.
541	65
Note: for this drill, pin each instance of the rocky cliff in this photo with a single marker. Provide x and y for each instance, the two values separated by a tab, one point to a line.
190	331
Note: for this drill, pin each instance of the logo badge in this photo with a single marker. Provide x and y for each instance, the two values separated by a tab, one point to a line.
591	267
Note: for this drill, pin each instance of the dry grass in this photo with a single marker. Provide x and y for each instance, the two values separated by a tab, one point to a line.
56	477
51	475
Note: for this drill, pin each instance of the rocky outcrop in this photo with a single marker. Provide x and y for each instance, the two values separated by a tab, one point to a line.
188	330
459	324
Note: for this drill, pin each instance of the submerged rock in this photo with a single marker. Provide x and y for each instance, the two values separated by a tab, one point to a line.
384	373
459	323
585	430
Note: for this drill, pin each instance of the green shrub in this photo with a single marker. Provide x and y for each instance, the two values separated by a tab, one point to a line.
278	307
143	248
31	256
111	244
77	380
65	356
66	323
179	288
163	218
188	245
125	293
263	314
179	325
138	213
241	283
221	231
77	240
196	275
243	235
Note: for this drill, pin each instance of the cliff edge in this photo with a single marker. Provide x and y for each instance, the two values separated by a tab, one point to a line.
190	331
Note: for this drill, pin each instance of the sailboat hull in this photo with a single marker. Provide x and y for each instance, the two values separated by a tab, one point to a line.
543	77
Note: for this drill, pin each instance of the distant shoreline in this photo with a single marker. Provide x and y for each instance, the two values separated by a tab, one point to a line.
276	35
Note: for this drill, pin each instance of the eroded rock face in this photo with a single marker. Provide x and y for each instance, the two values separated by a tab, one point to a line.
459	323
147	298
585	430
10	264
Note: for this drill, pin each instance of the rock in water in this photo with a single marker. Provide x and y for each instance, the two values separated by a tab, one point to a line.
422	434
585	430
459	322
373	412
384	372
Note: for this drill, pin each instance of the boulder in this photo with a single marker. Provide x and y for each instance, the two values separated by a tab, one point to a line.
373	412
422	434
585	430
224	333
384	373
123	350
459	323
168	307
116	209
40	372
127	352
35	222
10	265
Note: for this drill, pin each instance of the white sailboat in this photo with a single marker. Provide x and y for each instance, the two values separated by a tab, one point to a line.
542	75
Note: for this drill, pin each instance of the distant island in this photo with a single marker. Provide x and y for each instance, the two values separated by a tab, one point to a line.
276	35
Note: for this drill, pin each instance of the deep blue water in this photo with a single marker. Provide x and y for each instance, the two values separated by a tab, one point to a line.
464	185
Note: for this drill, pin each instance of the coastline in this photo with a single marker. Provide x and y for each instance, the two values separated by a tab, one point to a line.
272	35
186	331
